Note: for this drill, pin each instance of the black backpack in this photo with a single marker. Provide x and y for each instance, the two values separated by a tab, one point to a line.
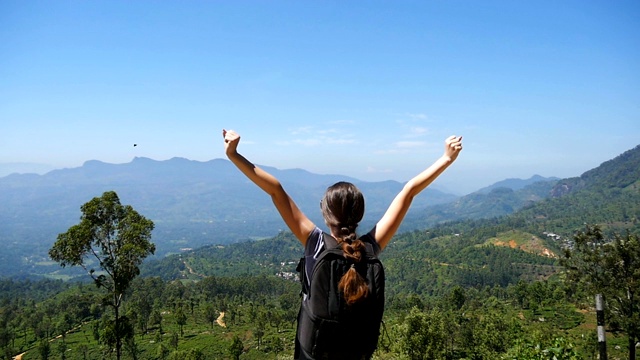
327	327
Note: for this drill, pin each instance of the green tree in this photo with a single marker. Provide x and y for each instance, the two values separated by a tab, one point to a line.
423	335
195	354
181	320
236	348
258	332
141	307
210	314
162	352
155	318
557	349
611	268
456	298
62	349
132	348
44	349
84	350
274	344
173	340
5	339
117	237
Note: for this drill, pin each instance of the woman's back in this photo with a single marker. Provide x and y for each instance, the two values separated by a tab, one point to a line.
327	324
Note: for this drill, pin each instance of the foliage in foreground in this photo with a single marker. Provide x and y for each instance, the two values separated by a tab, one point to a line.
175	320
546	319
118	238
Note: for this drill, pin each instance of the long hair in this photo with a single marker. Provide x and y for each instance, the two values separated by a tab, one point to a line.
343	208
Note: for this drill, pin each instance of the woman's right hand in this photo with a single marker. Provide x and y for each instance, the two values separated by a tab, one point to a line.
231	141
452	147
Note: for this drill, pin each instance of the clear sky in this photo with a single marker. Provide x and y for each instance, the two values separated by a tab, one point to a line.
368	89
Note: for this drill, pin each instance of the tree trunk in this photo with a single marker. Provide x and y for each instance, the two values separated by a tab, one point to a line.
631	332
117	331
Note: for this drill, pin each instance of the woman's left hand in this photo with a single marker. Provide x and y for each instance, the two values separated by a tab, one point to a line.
231	141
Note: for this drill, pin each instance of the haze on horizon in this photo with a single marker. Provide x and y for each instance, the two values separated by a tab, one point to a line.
365	89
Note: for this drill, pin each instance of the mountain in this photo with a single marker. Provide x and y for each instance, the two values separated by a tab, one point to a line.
516	184
192	204
608	195
196	204
503	198
23	168
473	252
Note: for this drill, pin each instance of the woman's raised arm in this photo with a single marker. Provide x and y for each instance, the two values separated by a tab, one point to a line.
295	219
391	220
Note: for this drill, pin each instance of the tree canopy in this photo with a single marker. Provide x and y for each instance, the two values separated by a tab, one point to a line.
118	238
611	268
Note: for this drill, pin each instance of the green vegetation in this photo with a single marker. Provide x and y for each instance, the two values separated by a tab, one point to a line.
439	319
474	289
182	320
610	268
118	238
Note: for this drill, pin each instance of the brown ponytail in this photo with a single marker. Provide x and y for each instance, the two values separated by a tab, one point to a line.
352	285
343	208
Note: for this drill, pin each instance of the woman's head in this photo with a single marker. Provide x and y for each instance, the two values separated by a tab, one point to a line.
342	208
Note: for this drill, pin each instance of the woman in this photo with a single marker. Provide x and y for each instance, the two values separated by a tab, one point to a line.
342	208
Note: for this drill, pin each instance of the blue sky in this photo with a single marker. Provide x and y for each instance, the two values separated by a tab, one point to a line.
368	89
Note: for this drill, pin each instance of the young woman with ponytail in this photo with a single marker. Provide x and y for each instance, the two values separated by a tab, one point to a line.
342	208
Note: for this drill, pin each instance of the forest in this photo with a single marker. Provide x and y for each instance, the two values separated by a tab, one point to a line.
523	308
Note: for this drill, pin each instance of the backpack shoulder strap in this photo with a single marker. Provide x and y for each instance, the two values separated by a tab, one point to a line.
330	247
329	241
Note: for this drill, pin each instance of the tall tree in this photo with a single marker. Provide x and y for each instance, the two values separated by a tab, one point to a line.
181	320
423	334
119	238
611	268
236	348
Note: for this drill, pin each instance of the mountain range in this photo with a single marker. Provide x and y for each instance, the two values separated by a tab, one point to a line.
197	203
476	251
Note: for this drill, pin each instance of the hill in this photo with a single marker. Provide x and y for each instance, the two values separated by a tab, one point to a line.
608	195
490	202
191	203
516	184
196	204
481	252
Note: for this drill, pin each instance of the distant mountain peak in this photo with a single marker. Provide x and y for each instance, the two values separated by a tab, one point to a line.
142	159
93	163
516	184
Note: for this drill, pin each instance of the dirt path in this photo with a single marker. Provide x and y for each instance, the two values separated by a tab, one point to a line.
220	319
191	271
19	356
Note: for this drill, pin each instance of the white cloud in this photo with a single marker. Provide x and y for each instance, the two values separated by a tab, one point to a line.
327	131
313	136
372	170
318	140
410	144
308	142
403	147
417	131
301	130
417	116
341	122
